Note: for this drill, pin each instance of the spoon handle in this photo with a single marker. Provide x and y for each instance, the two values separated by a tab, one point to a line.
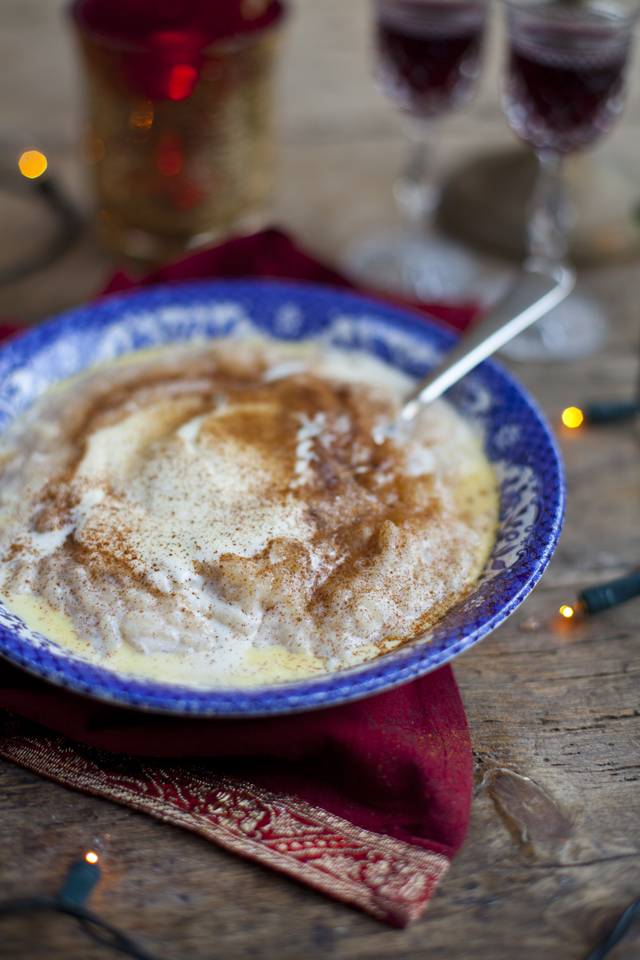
535	293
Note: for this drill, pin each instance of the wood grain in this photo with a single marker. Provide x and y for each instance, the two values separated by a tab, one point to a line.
553	852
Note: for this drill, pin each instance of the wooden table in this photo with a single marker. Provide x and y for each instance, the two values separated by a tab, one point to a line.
553	851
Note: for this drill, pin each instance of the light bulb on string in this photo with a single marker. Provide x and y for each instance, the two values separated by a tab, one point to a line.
572	417
32	164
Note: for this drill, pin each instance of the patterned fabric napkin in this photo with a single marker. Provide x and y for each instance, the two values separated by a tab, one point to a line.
367	802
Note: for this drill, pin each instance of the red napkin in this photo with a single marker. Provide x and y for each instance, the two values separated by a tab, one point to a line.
8	329
366	802
273	254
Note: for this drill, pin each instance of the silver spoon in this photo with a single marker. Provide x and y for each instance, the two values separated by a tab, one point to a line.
539	288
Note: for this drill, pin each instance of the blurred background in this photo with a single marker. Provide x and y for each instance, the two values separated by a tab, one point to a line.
340	145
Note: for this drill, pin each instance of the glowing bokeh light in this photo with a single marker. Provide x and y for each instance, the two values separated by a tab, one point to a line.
32	164
566	611
92	857
141	115
182	80
572	417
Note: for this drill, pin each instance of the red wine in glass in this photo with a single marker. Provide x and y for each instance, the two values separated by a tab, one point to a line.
565	78
563	90
428	53
427	63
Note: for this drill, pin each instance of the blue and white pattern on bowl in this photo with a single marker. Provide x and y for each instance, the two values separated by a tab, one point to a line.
517	440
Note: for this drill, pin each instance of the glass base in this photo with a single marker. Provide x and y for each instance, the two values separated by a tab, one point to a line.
427	268
152	248
485	203
576	328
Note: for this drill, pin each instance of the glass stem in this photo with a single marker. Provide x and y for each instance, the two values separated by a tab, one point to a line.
549	215
415	190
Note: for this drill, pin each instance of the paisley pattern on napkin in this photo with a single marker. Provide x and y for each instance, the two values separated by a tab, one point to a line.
386	877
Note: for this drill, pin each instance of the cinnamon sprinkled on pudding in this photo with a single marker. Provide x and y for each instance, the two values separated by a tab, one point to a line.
216	506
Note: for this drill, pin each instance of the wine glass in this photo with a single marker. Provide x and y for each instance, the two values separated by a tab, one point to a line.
427	63
563	90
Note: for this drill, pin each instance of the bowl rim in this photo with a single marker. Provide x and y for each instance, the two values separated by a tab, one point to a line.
398	666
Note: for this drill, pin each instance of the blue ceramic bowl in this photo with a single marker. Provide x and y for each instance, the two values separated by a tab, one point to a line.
518	442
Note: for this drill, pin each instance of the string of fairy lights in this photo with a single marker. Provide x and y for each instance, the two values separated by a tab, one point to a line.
70	901
596	599
593	600
85	874
41	185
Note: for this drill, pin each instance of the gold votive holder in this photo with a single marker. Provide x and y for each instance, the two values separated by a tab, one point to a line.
175	174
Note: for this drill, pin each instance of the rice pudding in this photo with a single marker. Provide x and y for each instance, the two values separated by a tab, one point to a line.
233	513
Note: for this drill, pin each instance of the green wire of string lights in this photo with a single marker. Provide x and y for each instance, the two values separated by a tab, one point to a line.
70	901
85	873
621	928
